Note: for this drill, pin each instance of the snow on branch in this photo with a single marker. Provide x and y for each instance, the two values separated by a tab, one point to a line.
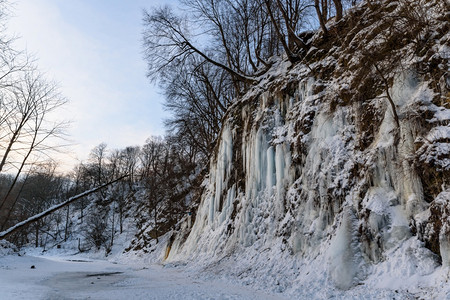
54	208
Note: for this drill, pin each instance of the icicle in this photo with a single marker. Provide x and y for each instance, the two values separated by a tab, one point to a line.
270	180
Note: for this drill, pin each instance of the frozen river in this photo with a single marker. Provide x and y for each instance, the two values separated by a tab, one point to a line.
31	277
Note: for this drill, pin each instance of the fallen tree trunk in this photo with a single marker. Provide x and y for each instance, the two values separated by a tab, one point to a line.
54	208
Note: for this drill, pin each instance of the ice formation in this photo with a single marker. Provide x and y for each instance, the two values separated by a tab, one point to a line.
308	182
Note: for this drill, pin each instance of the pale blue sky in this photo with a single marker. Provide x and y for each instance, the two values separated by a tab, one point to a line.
92	48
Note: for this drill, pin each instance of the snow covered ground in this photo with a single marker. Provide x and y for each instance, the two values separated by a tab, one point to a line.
76	277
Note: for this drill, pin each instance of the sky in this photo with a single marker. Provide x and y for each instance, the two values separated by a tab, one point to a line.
93	50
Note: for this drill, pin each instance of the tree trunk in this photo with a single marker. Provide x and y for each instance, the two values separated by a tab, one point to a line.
121	218
54	208
321	17
66	229
36	227
292	58
156	224
339	9
112	227
388	95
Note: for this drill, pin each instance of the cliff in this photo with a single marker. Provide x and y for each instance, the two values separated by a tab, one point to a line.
334	172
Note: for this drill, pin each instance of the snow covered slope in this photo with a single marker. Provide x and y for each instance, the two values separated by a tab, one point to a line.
331	177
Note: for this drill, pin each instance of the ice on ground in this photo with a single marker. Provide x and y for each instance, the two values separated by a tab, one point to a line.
77	277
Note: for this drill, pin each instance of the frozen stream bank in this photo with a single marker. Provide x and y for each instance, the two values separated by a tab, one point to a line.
77	278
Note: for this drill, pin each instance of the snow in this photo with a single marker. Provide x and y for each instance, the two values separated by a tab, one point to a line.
55	207
6	248
224	161
436	148
378	200
345	260
294	207
443	202
441	114
302	235
317	217
77	277
314	215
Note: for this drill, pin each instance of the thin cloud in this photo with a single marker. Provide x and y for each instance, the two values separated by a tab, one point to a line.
101	72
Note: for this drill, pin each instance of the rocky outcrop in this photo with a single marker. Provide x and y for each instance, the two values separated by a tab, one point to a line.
313	167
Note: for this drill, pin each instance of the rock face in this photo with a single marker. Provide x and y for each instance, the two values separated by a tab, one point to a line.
312	168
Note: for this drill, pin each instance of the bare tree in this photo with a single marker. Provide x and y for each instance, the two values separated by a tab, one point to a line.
25	133
97	159
324	11
54	208
286	19
321	7
129	157
198	97
166	41
339	9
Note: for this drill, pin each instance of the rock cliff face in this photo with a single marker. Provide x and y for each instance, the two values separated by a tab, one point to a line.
329	169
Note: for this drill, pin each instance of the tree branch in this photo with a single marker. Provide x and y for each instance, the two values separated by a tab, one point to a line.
54	208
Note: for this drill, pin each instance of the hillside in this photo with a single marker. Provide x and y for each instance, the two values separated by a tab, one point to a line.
331	175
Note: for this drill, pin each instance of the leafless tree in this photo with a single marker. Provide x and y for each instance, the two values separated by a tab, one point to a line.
288	18
197	97
97	159
167	41
324	11
130	159
26	132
